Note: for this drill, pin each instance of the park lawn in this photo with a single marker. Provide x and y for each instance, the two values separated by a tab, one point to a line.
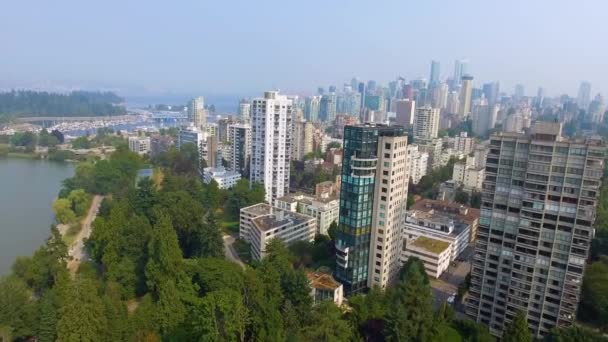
230	227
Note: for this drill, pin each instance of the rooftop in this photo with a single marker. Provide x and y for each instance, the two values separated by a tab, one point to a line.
322	281
431	245
461	212
279	218
258	209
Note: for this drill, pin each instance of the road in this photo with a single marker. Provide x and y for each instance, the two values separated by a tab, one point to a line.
76	250
229	250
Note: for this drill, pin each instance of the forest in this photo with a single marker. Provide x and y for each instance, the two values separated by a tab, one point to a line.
29	103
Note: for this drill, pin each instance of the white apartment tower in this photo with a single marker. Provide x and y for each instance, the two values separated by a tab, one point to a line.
239	136
426	123
389	208
271	126
197	113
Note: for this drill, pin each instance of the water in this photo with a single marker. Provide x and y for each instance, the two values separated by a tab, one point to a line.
27	190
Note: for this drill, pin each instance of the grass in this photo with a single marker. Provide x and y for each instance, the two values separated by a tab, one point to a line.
449	334
432	245
23	155
230	227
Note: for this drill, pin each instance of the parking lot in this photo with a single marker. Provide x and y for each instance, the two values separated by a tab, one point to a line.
447	284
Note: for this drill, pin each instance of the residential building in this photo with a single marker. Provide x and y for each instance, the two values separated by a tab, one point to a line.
245	110
434	148
538	206
456	211
327	107
324	208
484	118
434	254
261	223
374	172
324	287
140	145
426	123
303	139
197	114
311	108
193	135
212	150
239	136
225	179
463	143
418	163
468	175
405	112
436	226
341	121
271	129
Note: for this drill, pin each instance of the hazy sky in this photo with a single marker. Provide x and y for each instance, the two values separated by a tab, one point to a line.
223	46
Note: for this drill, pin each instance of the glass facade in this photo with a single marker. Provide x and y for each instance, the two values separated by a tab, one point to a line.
356	203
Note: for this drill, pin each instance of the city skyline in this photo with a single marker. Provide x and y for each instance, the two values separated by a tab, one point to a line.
191	49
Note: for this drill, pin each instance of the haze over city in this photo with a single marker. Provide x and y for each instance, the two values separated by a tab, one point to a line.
244	47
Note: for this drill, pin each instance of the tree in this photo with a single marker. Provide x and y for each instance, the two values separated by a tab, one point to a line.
48	307
333	144
220	316
461	197
475	199
517	330
211	242
594	297
369	313
166	279
82	314
410	316
46	139
58	135
333	230
327	324
472	331
25	139
16	310
81	143
63	211
574	333
80	201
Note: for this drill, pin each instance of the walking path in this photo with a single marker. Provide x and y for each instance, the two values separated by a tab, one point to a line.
229	250
76	250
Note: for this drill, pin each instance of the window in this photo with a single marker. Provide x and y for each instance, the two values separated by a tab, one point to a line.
387	146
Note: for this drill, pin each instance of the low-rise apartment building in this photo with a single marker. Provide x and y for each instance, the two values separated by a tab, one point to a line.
325	208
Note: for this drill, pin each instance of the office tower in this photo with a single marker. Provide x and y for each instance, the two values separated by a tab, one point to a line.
303	132
584	95
197	114
240	148
271	130
426	123
540	97
349	103
596	110
354	83
327	107
460	69
519	92
538	205
484	118
440	96
434	76
465	95
371	86
374	102
245	110
311	108
422	97
369	151
490	91
405	112
453	104
320	91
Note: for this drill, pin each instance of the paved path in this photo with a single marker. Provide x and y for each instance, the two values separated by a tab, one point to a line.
76	250
230	252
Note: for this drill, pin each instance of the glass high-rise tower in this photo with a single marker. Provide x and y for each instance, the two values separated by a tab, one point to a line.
538	205
373	156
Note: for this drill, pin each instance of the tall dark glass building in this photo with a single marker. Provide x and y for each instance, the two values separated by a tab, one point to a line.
361	153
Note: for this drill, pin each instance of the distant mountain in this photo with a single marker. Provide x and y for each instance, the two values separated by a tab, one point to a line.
27	103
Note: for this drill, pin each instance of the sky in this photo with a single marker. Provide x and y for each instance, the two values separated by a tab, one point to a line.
246	47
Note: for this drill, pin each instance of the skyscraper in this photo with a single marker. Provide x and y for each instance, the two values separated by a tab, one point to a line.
405	112
434	77
465	95
368	153
197	114
584	95
490	91
484	118
540	97
538	205
245	110
460	69
426	123
271	129
303	132
519	92
239	136
311	108
596	110
327	107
